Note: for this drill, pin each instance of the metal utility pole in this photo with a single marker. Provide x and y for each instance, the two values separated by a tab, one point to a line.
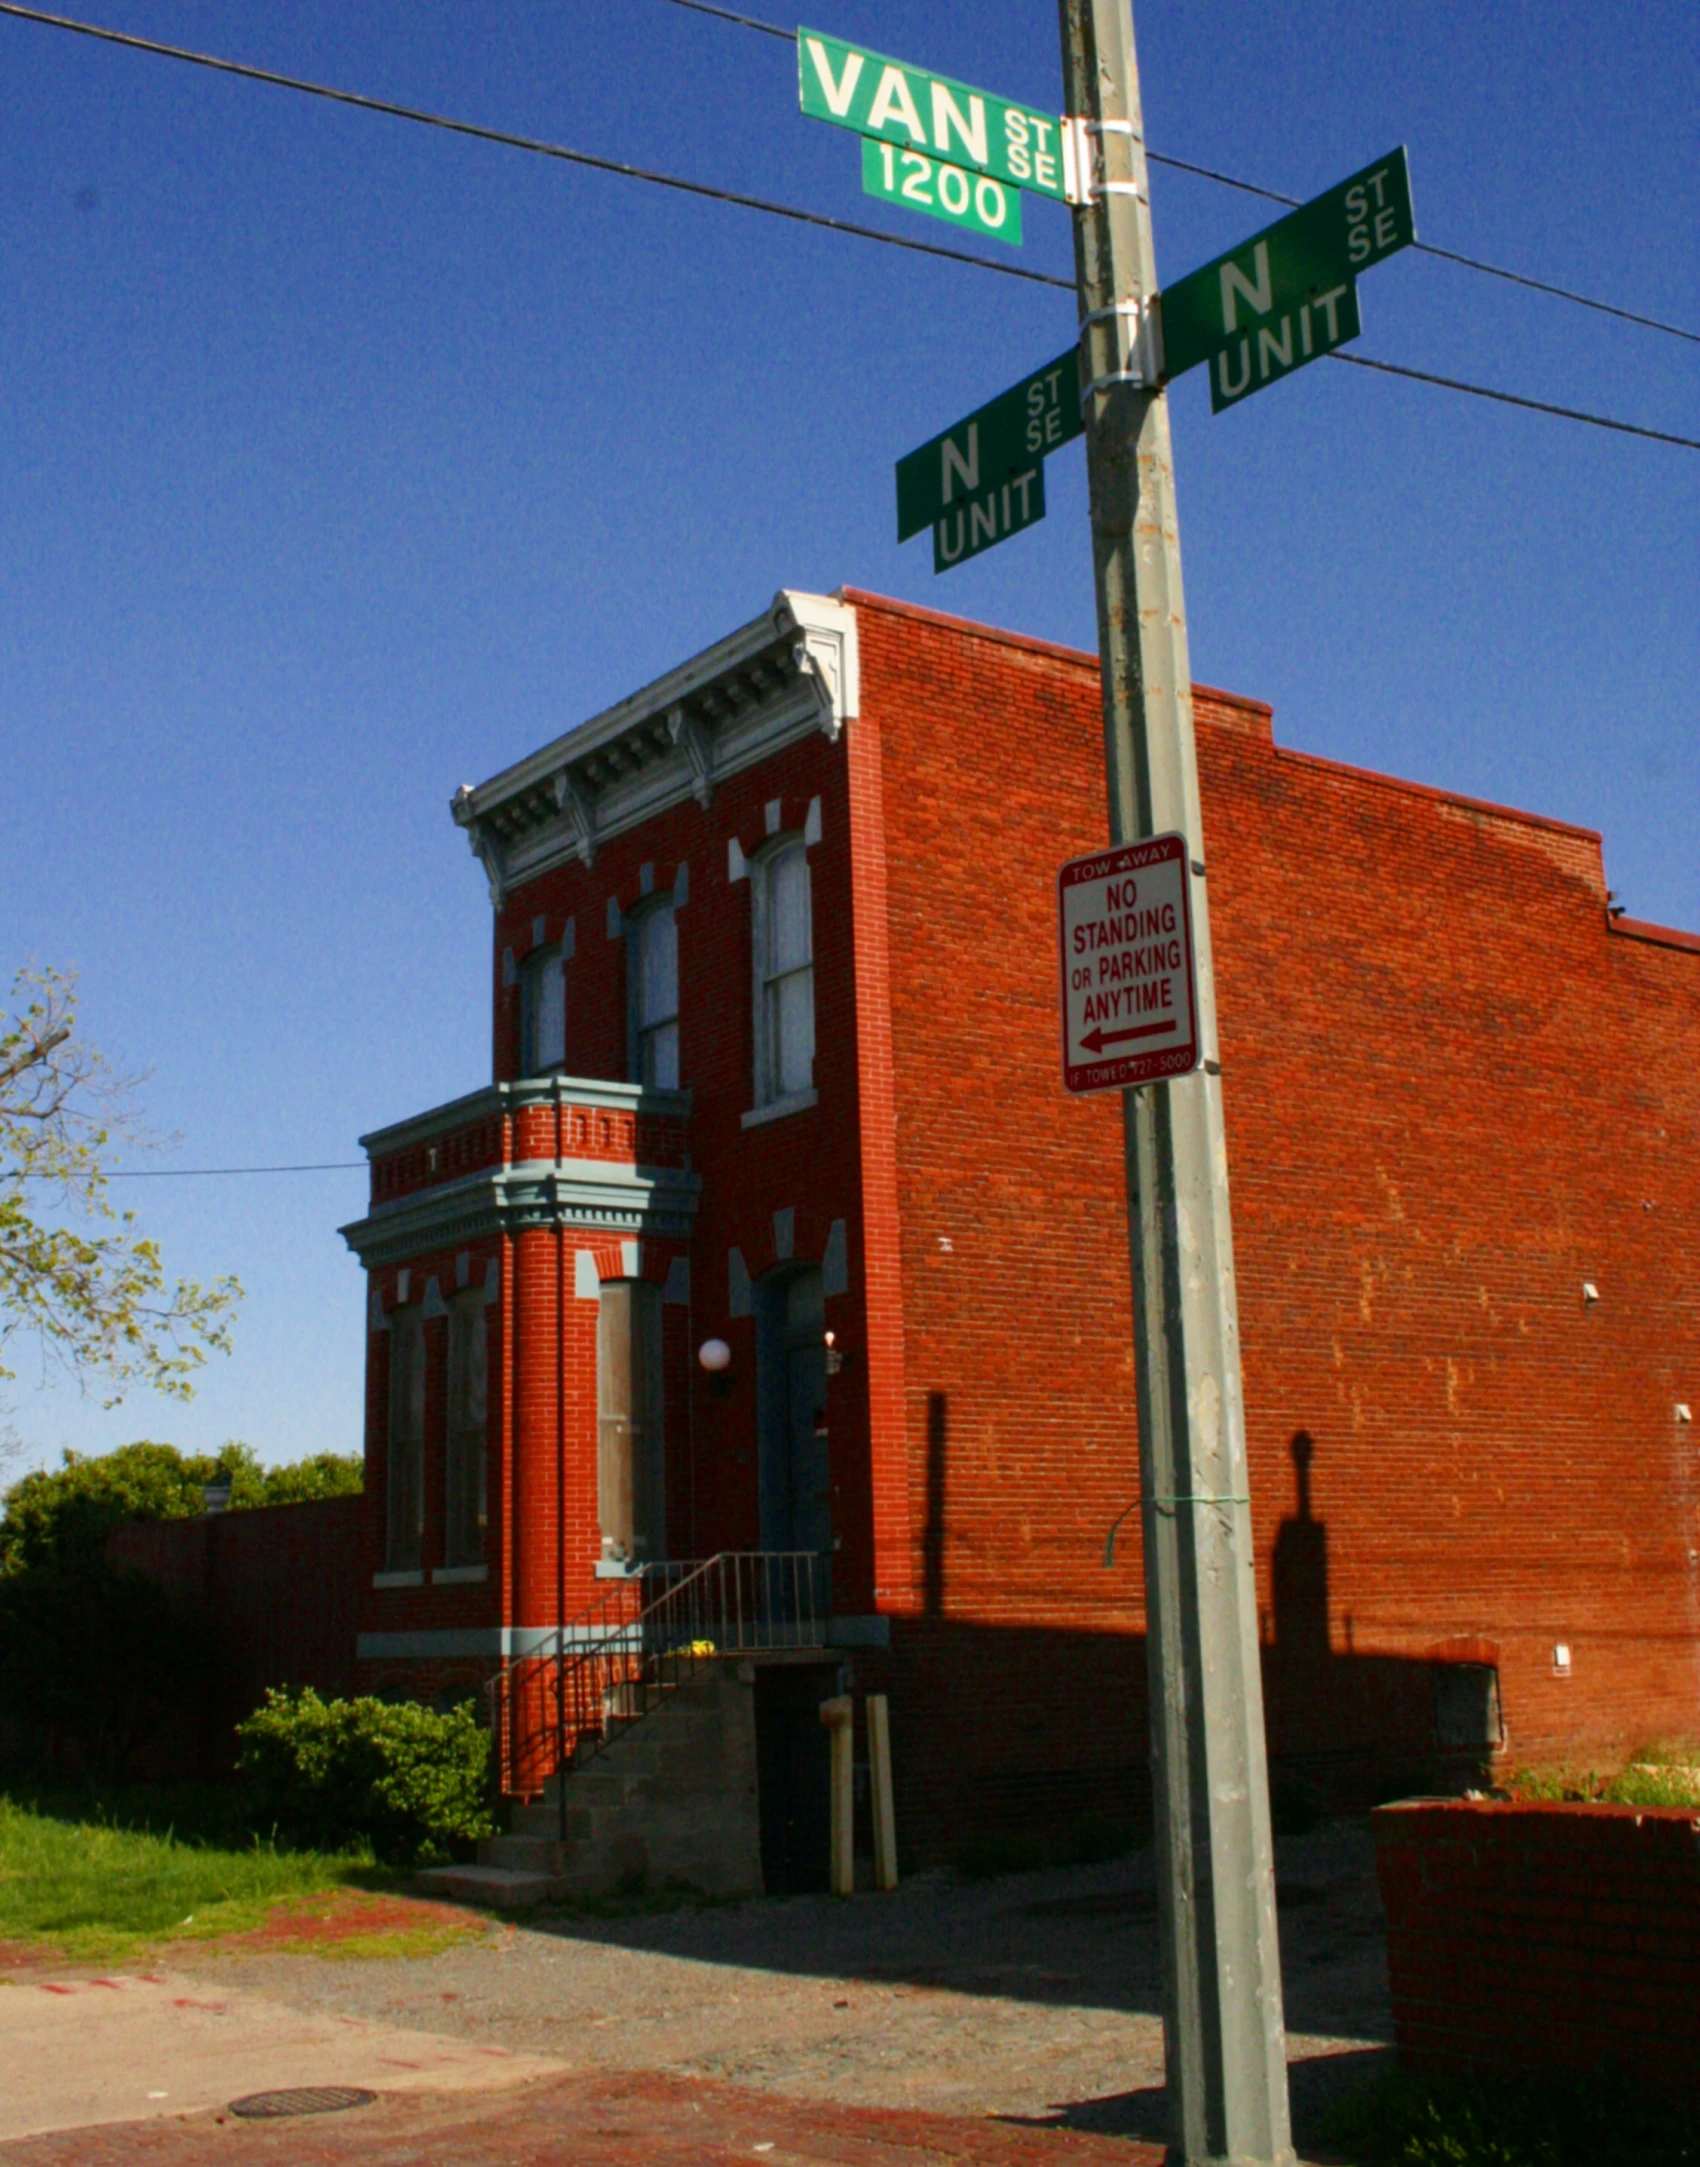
1225	2044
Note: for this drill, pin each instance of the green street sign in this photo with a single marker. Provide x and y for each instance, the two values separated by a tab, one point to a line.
915	110
979	522
920	183
1288	294
985	449
1276	348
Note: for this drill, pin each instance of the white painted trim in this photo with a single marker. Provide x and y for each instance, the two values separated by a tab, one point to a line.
398	1580
808	645
598	1093
459	1576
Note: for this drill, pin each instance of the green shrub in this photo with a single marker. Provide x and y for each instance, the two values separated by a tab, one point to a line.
408	1779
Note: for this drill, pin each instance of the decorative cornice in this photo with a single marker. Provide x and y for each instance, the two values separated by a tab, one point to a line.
657	1203
791	671
512	1098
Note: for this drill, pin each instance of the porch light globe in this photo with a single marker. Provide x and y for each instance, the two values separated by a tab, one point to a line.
714	1354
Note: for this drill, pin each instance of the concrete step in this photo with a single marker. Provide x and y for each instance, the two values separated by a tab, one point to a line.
525	1853
500	1888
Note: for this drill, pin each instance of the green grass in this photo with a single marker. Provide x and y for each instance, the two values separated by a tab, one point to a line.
1643	1781
99	1875
1404	2121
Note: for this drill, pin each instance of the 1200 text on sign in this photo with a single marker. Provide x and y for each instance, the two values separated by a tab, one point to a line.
1129	998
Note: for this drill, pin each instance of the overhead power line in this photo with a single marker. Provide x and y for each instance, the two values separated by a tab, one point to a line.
535	144
1513	398
202	1173
1273	195
677	182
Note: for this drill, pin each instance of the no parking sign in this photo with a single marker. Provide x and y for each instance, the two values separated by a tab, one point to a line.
1129	990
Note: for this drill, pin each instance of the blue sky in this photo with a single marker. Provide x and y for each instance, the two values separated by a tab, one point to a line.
342	461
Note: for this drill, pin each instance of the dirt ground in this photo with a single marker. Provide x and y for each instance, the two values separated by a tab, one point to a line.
1031	1997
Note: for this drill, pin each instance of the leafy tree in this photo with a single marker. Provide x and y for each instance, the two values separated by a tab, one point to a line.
62	1515
75	1272
321	1474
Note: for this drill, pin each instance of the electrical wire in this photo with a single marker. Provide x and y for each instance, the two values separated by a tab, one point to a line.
1273	195
749	22
535	144
1513	398
802	217
187	1173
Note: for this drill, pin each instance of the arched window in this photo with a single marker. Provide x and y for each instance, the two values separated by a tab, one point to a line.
543	1013
785	972
654	954
403	1548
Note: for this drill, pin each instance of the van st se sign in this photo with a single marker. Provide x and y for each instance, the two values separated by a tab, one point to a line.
933	115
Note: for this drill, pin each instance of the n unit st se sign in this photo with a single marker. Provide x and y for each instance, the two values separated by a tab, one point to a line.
999	442
1287	295
1129	983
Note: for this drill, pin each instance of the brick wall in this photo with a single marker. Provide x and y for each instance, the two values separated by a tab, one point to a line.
808	1163
276	1591
1455	1093
1543	1940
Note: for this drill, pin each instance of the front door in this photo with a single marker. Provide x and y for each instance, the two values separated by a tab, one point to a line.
796	1464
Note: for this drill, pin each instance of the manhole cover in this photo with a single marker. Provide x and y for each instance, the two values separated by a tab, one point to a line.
307	2099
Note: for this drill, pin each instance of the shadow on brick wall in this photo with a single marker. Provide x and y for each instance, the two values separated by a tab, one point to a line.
1017	1728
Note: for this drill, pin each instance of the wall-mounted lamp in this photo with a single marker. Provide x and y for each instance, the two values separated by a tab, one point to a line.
1561	1659
1682	1413
1590	1293
835	1355
716	1357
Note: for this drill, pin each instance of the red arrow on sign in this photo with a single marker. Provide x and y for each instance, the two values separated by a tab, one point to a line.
1096	1041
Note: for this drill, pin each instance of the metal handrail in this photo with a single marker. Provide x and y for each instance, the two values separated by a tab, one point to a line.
627	1656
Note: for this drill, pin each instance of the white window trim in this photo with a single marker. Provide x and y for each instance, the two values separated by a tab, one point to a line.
758	865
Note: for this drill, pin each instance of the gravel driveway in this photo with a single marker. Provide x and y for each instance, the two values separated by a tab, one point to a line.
1032	1996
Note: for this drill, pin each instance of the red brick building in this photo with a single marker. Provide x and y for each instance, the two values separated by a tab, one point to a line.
775	1058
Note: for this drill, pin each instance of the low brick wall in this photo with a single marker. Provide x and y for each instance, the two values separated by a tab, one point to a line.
1539	1940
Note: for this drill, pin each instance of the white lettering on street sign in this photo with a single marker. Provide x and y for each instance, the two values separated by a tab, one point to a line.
920	111
1129	988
